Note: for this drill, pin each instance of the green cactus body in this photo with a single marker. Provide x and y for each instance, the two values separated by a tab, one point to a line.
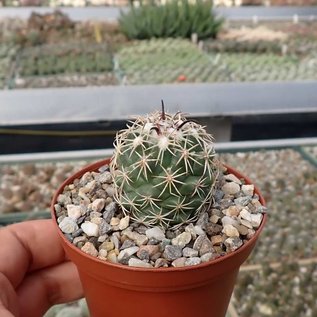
163	169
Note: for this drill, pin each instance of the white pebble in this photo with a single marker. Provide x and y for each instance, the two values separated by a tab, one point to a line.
193	261
180	262
214	218
232	178
68	225
128	252
226	220
246	223
246	215
138	263
114	221
248	189
182	239
103	253
199	230
231	188
256	220
156	233
139	239
189	252
98	204
74	211
124	223
91	229
230	231
90	249
207	257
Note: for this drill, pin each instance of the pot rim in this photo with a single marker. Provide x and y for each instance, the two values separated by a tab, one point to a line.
94	166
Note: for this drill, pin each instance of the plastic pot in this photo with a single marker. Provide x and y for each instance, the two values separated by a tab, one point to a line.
115	290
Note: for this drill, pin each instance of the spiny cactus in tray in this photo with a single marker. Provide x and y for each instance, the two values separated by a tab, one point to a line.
69	59
235	46
7	56
163	169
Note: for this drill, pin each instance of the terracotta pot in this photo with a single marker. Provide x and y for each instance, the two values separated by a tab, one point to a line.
115	290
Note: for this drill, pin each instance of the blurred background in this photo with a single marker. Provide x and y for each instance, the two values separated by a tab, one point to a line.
72	72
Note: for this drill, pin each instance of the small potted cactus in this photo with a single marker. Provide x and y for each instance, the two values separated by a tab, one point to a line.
162	227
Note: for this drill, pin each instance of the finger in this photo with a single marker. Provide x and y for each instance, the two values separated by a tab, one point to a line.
29	246
5	313
8	297
42	289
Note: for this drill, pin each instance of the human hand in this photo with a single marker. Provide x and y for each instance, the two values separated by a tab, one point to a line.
34	272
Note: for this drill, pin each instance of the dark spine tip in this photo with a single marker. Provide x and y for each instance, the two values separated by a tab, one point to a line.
163	110
156	129
185	122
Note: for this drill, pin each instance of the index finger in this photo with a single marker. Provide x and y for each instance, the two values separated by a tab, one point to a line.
28	246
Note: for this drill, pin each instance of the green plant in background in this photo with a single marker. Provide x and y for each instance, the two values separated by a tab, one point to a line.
7	56
65	59
162	61
164	170
176	18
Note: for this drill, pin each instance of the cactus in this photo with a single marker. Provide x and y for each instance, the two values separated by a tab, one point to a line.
164	169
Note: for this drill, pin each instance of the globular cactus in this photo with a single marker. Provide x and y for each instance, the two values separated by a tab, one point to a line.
163	169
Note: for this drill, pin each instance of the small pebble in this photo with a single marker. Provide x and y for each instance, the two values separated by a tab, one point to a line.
156	233
180	262
172	252
90	249
191	229
243	230
114	221
205	247
127	253
198	242
232	211
127	244
139	239
192	261
160	262
242	201
231	188
214	218
74	211
147	251
248	189
182	239
139	263
207	257
256	220
189	252
246	223
107	245
105	177
226	220
109	212
246	215
103	253
112	256
69	311
233	244
68	225
104	228
124	223
216	240
199	230
232	178
91	229
230	231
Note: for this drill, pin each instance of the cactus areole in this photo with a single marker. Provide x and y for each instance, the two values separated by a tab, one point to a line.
163	169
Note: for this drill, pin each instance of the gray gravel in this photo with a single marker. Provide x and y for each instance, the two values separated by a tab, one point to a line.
88	216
